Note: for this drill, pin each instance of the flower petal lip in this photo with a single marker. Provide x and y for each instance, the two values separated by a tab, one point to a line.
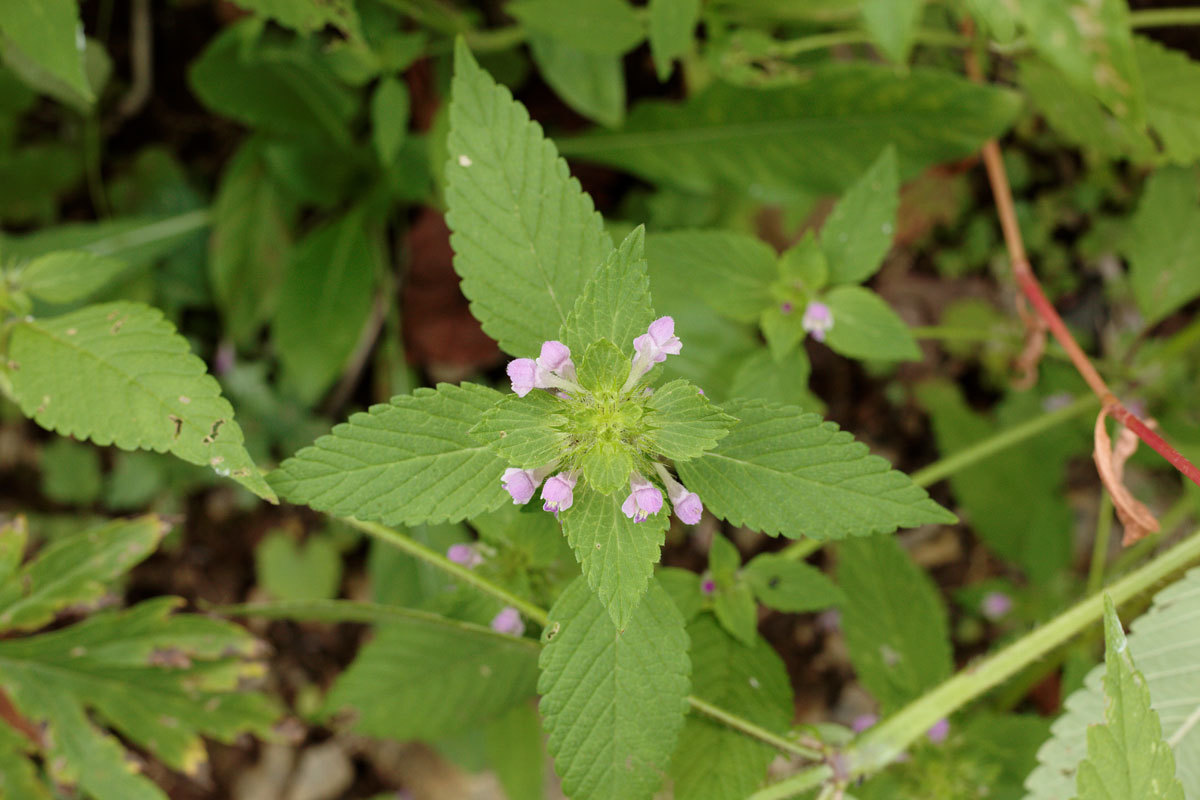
644	500
554	356
523	373
508	620
521	484
558	493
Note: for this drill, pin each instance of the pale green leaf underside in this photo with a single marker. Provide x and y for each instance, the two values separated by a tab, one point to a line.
613	701
683	424
425	677
524	431
712	761
118	373
615	304
782	471
1127	756
617	554
895	624
525	236
1167	649
818	136
407	462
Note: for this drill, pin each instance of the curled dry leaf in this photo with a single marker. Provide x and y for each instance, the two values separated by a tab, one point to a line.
1110	463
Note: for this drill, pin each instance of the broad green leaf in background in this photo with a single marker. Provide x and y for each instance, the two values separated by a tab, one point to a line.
19	775
422	677
1034	533
406	462
307	16
1127	756
672	23
138	241
1172	86
324	302
761	377
894	621
733	600
818	136
1167	650
617	554
66	276
613	701
250	243
683	424
1089	41
591	83
859	230
597	26
864	326
1164	238
160	680
712	761
615	302
730	271
809	478
71	472
513	743
118	373
892	24
525	431
291	570
787	585
525	236
389	118
71	572
999	17
49	34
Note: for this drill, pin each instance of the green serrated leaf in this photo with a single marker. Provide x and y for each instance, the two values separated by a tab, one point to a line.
526	238
118	373
1162	243
162	681
617	554
591	83
289	570
1127	756
524	431
324	301
613	698
712	761
606	466
894	621
50	34
731	272
1172	85
892	23
817	136
787	585
682	423
615	303
389	118
1168	655
782	471
68	276
307	16
73	571
859	230
604	367
598	26
407	462
672	23
864	326
424	677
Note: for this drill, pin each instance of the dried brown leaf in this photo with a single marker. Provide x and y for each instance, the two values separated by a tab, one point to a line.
1110	463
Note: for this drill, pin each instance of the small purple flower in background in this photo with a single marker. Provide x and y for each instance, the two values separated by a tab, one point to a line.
786	307
708	586
862	722
465	555
508	621
559	492
817	320
644	500
939	731
830	621
996	605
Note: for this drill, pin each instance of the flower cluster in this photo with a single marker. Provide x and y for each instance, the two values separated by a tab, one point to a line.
553	370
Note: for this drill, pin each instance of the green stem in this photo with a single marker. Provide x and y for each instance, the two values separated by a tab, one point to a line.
157	231
1164	17
883	744
539	615
1104	526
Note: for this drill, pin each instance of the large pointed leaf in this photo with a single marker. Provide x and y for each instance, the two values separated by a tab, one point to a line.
613	700
615	304
406	462
119	374
526	237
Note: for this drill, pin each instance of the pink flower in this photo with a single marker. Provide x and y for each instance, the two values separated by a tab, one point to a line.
508	621
862	722
553	369
559	492
817	320
644	500
996	605
523	373
708	586
939	731
556	357
521	484
658	341
687	504
464	554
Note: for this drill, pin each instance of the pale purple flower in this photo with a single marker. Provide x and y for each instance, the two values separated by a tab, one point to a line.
508	621
786	307
465	555
644	500
559	492
523	372
817	320
996	605
862	722
556	357
939	731
553	369
708	586
659	341
687	504
521	484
